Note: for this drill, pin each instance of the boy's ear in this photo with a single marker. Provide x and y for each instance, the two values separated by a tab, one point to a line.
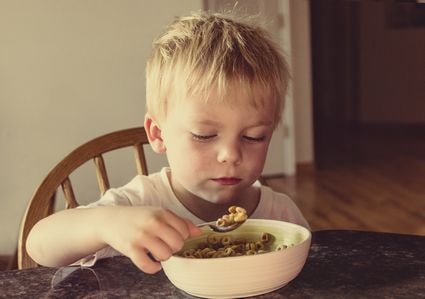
154	133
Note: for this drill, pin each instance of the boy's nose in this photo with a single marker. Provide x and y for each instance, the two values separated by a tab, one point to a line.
230	153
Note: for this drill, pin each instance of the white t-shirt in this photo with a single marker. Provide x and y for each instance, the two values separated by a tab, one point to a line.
155	190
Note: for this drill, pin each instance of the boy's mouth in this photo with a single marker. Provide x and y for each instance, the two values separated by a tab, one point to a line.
227	181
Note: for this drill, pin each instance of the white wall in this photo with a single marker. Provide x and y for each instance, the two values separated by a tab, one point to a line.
72	70
69	71
302	80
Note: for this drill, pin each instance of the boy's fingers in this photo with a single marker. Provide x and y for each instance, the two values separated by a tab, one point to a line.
168	240
177	223
177	230
193	229
159	248
145	263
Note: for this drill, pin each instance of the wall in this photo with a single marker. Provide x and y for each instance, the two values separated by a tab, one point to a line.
302	80
69	70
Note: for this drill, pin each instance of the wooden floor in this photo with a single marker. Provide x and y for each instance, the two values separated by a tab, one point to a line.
372	181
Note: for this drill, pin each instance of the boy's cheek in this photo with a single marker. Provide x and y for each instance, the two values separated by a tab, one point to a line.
198	149
192	156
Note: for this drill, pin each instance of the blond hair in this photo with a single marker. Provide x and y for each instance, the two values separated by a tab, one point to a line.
205	51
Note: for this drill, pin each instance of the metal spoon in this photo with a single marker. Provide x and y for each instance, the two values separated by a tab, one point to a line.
222	229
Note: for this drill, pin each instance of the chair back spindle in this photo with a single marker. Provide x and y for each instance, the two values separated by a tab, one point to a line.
68	192
139	156
102	176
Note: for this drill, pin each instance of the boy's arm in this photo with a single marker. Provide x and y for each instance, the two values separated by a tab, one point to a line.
70	235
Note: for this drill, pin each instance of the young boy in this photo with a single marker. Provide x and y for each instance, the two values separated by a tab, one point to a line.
215	93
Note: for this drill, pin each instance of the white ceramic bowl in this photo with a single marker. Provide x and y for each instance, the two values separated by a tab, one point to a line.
242	276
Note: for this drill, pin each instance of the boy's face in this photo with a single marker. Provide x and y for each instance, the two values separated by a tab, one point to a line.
215	150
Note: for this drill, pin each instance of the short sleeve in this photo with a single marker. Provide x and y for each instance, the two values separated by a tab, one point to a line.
90	260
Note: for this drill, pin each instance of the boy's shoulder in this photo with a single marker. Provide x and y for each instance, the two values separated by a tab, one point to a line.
157	178
270	195
278	206
153	183
141	190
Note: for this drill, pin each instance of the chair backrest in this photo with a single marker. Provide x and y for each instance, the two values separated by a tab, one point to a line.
42	203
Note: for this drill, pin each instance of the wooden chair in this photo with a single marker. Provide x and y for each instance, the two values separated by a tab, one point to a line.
43	202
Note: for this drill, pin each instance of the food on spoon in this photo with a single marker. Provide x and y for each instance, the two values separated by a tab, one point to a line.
236	215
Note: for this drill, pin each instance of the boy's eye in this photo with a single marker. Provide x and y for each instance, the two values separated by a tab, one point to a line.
255	139
202	137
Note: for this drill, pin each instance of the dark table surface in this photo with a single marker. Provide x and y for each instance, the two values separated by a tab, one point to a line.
341	264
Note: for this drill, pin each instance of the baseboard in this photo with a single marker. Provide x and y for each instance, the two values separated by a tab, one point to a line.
271	176
301	168
4	261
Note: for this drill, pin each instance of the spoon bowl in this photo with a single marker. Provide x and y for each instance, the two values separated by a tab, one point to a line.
221	229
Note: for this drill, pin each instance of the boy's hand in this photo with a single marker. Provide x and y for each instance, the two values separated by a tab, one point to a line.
139	231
